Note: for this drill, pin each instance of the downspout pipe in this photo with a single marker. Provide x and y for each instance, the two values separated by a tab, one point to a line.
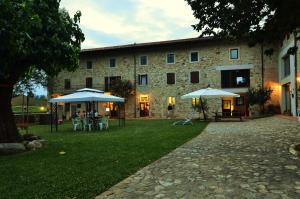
134	72
296	72
262	66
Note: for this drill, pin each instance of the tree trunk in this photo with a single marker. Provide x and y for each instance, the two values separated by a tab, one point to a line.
8	130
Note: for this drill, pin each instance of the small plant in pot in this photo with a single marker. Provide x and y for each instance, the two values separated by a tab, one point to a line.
258	97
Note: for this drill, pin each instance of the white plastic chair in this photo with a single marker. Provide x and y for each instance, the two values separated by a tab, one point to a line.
87	124
76	124
103	123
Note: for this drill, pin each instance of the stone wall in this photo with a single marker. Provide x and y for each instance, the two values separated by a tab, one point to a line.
212	54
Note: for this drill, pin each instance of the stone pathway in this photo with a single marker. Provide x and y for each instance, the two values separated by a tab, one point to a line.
233	160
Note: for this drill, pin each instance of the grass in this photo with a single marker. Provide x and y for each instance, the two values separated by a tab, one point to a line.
93	162
31	109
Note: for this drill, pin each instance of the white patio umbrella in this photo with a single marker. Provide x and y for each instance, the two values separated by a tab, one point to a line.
87	95
208	93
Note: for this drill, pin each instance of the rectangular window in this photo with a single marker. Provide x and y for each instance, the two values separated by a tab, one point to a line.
143	79
195	102
286	66
171	101
170	78
170	58
78	105
235	78
89	65
109	81
67	84
143	60
194	56
195	77
234	53
112	62
239	101
89	82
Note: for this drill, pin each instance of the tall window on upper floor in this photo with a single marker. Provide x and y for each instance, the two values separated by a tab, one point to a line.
67	84
234	53
235	78
143	79
89	82
170	58
143	60
89	65
286	66
194	77
112	62
170	78
194	56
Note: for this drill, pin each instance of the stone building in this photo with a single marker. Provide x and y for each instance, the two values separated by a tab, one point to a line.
289	76
161	72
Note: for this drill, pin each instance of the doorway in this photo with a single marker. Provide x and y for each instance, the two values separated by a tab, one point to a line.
144	109
226	107
287	99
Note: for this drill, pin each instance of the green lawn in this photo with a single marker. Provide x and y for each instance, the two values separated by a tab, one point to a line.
93	162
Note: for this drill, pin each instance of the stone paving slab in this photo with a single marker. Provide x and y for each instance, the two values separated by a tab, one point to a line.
236	160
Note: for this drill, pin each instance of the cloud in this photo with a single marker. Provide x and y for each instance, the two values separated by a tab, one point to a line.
129	21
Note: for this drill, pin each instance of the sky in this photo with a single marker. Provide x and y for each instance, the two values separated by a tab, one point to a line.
117	22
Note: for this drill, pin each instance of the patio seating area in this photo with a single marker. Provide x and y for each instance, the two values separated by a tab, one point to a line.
88	123
87	120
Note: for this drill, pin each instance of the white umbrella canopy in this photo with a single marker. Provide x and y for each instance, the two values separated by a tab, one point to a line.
87	96
209	93
90	90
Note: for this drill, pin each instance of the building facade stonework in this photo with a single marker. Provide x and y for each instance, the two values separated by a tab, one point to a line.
232	66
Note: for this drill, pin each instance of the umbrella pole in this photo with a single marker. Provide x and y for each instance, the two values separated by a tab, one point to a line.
202	109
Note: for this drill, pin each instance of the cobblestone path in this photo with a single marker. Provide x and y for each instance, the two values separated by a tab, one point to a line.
233	160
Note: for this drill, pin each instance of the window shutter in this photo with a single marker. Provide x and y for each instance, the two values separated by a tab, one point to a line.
146	79
106	83
139	80
195	77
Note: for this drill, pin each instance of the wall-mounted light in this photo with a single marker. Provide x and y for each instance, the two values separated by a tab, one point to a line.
107	109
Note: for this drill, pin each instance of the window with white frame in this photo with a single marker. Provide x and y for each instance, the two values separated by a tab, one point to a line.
112	62
89	65
143	79
286	66
194	56
170	78
234	53
171	100
170	58
143	60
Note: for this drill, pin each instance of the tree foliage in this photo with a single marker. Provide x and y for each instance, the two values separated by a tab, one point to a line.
122	88
258	20
30	81
259	96
35	35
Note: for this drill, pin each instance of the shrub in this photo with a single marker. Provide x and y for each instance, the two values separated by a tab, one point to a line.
259	96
